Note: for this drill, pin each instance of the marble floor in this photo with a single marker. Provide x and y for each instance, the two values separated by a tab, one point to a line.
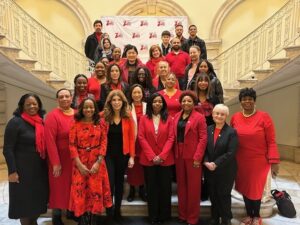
288	179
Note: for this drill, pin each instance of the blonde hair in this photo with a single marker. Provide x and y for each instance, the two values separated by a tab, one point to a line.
108	109
222	107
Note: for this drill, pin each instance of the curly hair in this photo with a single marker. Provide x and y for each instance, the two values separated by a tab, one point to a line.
108	109
79	115
190	94
20	109
247	92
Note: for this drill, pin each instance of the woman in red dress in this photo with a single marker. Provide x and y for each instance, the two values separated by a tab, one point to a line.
156	56
257	153
135	175
57	127
80	90
90	192
95	81
171	95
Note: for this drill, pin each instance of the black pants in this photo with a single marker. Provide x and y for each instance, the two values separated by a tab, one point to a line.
252	207
159	190
220	196
116	167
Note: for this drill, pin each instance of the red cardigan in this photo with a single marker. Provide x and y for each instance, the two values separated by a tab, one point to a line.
195	136
128	136
156	145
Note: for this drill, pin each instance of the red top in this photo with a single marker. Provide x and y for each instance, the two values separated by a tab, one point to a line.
256	152
94	87
173	103
216	134
152	65
57	127
178	62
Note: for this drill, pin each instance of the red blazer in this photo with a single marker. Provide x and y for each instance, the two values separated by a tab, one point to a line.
195	136
153	145
128	131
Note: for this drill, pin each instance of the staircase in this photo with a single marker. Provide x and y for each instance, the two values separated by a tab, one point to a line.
266	51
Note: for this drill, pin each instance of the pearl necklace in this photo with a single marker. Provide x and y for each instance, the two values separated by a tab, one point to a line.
248	115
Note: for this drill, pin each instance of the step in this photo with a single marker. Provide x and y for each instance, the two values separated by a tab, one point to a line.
261	74
10	52
57	84
2	40
247	83
276	64
232	92
292	51
43	75
27	64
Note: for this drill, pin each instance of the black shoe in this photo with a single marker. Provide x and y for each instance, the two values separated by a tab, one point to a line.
56	220
70	216
117	215
142	193
131	195
214	221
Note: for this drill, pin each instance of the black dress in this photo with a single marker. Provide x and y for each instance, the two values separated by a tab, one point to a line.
29	197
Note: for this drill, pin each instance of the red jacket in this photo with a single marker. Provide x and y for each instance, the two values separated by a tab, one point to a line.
178	62
195	137
128	131
156	145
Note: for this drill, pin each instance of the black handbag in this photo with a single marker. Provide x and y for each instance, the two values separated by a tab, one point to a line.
284	203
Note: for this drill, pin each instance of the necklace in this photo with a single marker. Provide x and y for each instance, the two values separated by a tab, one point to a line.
67	111
248	115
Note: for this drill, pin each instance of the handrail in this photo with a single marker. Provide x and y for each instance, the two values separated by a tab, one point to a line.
266	41
52	53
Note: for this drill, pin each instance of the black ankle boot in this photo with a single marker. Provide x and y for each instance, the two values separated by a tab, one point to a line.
117	215
131	195
70	216
56	220
142	193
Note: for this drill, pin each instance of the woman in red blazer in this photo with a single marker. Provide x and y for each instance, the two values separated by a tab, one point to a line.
190	143
156	138
120	145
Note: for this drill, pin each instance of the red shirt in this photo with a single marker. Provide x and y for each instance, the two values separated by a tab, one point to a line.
216	134
94	87
178	62
173	103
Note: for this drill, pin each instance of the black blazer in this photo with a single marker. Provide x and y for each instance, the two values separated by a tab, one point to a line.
223	152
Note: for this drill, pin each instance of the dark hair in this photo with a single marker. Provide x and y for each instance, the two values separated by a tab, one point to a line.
188	93
179	25
200	77
63	89
247	92
129	98
75	93
127	48
193	25
109	68
166	33
164	111
106	39
79	115
148	78
152	48
97	21
78	76
20	109
210	72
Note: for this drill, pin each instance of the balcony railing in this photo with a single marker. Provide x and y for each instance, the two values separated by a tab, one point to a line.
24	32
253	51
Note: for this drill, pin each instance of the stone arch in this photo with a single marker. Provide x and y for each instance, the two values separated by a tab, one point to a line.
81	14
152	8
220	16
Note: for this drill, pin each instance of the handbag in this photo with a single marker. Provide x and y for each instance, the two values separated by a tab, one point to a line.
284	203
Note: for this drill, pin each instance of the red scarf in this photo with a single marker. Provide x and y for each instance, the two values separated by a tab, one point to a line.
37	122
116	87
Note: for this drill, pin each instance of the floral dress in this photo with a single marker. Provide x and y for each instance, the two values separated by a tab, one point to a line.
90	193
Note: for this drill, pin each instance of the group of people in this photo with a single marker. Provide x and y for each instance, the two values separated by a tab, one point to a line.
140	120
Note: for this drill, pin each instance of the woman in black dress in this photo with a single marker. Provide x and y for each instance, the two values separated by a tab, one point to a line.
25	153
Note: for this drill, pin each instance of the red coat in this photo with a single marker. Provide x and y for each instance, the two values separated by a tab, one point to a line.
156	145
195	137
57	127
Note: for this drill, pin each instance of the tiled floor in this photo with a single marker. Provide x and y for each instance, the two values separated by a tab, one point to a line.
289	180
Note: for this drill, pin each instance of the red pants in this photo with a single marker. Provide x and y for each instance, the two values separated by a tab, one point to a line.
188	190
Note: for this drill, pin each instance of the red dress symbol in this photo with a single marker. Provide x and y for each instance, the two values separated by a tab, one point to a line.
90	193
